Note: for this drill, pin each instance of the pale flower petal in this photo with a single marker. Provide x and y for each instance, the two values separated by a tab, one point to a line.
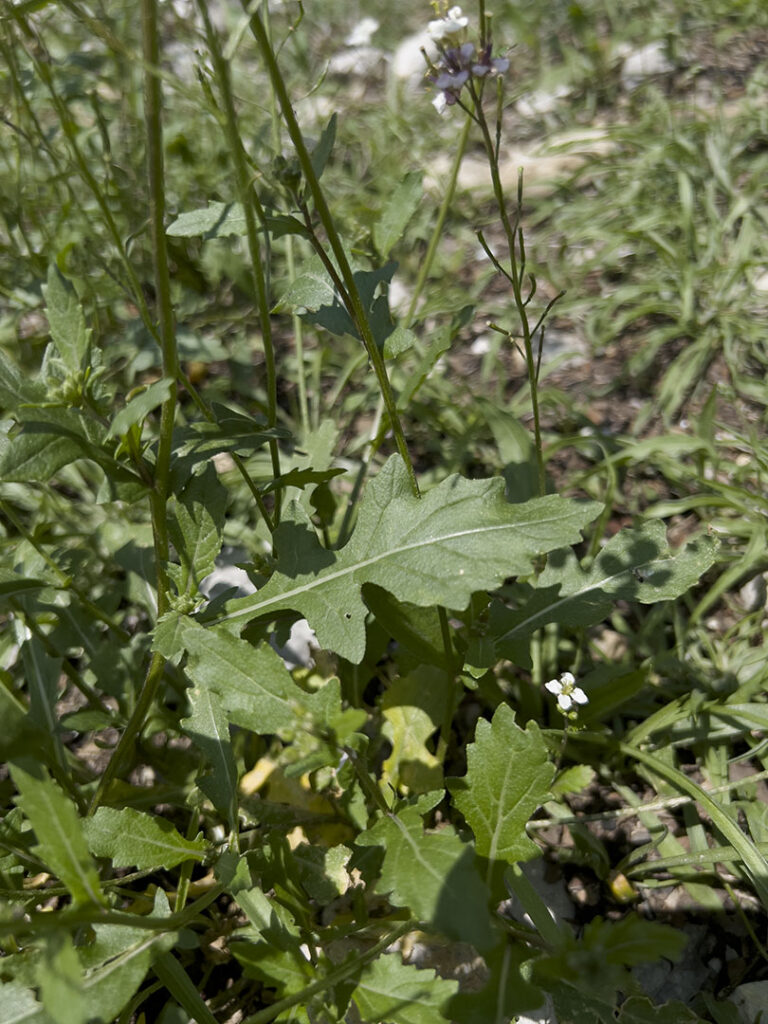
579	696
554	686
564	702
568	679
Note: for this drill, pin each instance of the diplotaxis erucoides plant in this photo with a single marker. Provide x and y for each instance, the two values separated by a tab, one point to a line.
194	825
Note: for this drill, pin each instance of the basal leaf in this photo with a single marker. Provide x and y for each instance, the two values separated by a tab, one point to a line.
389	990
134	839
434	875
635	565
508	777
61	843
461	537
65	319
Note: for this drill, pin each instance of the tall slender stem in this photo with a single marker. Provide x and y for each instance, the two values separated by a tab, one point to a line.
167	334
166	327
251	208
357	310
515	277
437	231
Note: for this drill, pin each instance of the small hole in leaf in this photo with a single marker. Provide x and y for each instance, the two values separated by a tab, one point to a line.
347	615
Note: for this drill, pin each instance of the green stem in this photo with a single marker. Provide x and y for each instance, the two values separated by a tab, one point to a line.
160	491
166	329
296	324
127	741
437	231
70	131
515	277
346	970
357	310
71	918
251	208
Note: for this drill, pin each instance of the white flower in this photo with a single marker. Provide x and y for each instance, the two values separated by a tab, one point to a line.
566	691
362	32
448	27
440	103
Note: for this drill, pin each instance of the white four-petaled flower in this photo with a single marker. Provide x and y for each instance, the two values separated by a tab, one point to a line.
566	691
448	27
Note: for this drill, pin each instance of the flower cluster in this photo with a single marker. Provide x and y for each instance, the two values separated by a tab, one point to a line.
567	693
459	60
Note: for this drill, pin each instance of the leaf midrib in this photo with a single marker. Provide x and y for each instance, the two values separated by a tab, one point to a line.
365	563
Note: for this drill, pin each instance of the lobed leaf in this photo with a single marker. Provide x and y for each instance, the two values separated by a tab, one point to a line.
635	565
208	728
255	689
389	990
461	537
508	778
433	874
134	839
197	525
65	319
